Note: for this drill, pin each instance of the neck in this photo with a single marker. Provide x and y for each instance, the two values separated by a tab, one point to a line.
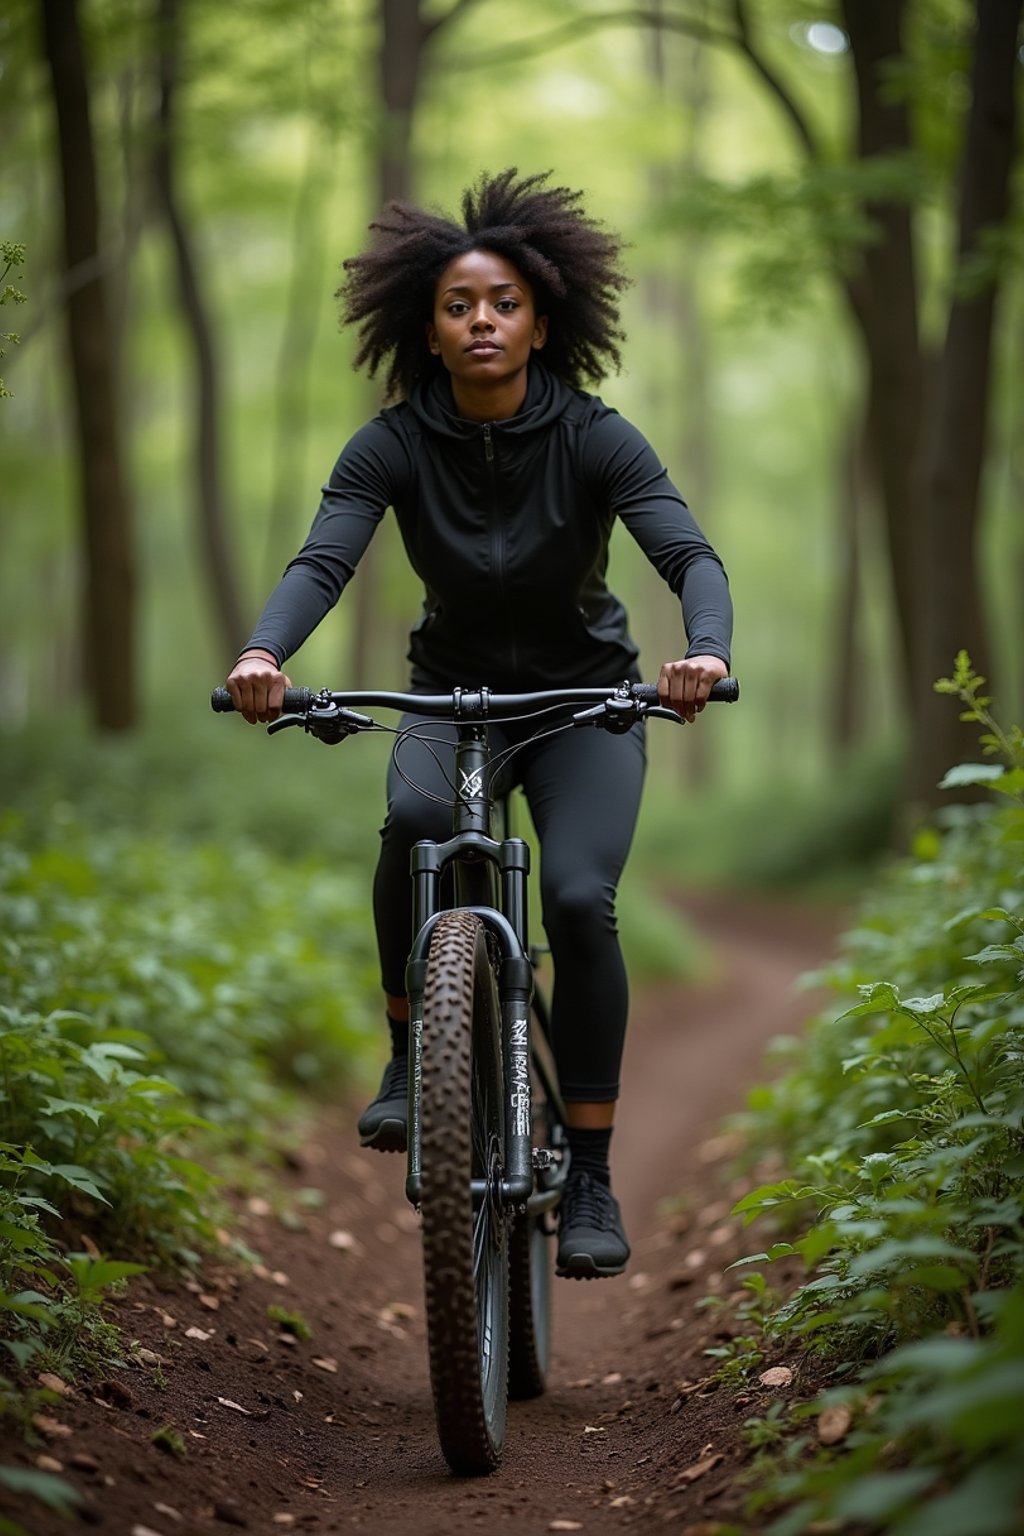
496	404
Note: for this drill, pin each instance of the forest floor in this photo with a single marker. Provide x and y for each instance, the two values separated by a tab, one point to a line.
335	1433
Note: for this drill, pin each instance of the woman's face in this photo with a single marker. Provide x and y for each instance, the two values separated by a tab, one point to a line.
485	323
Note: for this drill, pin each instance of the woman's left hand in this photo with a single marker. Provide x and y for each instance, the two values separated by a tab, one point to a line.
684	685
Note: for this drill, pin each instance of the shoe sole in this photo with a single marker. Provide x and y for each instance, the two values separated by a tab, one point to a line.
390	1136
581	1266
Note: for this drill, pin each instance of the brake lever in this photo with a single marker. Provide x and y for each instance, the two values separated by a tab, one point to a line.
617	714
283	722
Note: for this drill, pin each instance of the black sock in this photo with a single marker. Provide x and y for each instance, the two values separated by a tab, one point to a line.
589	1151
399	1036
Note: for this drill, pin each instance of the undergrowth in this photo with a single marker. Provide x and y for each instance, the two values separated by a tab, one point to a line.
902	1122
162	1004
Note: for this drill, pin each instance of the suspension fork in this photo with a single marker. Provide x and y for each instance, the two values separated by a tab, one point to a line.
515	989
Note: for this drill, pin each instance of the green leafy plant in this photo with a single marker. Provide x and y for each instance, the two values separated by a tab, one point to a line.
142	1035
290	1322
902	1120
11	255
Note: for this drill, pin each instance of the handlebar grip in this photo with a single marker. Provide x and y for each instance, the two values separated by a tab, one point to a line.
296	701
726	691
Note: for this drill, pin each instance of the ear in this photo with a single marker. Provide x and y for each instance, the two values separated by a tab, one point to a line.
432	341
540	332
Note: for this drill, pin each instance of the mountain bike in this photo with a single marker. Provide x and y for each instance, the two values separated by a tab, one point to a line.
487	1151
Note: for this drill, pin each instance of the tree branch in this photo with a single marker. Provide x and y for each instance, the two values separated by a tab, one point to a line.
430	28
772	80
529	48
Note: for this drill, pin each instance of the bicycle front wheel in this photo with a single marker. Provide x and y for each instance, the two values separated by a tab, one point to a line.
465	1234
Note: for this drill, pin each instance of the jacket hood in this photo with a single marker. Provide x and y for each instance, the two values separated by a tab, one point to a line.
433	405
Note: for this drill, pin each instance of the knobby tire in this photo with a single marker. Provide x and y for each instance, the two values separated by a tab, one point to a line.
529	1307
465	1250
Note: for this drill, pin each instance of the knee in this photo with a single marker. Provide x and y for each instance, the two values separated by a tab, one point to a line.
578	908
411	818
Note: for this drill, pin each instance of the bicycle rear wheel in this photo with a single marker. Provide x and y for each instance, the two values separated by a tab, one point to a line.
465	1240
530	1248
529	1307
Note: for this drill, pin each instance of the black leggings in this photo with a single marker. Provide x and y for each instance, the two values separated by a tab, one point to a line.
583	789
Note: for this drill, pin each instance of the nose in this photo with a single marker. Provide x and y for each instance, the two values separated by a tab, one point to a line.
481	321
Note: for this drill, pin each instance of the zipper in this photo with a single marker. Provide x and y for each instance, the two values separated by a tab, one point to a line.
498	539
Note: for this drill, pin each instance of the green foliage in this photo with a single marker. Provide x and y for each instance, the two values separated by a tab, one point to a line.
160	1002
291	1322
169	1440
903	1122
11	255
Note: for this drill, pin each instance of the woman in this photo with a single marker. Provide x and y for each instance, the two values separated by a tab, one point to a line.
506	480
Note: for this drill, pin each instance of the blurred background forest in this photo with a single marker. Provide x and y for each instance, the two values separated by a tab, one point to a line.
822	200
826	346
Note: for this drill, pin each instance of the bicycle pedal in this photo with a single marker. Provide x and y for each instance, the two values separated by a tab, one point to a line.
544	1157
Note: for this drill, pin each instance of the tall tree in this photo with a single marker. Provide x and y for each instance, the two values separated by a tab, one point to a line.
212	533
406	35
109	563
927	416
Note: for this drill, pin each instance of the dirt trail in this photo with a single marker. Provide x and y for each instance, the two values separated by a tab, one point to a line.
336	1434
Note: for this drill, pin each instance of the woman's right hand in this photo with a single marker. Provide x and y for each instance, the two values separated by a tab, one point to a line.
256	685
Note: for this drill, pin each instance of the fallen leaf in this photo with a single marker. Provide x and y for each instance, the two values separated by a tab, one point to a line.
84	1462
402	1309
166	1318
90	1246
199	1333
326	1363
297	1395
279	1277
622	1501
284	1519
612	1379
639	1282
49	1464
226	1402
777	1376
342	1240
565	1525
211	1303
698	1469
144	1530
48	1379
834	1424
258	1206
593	1429
50	1428
169	1511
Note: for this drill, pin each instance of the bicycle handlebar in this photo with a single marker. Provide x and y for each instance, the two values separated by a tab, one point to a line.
477	703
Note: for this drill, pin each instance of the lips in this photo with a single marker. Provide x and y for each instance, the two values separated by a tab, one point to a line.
486	347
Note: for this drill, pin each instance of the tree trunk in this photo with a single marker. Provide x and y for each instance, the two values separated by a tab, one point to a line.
951	616
403	34
109	598
847	698
886	310
213	539
297	339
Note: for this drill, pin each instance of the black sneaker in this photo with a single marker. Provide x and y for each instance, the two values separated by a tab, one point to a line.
591	1241
384	1124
